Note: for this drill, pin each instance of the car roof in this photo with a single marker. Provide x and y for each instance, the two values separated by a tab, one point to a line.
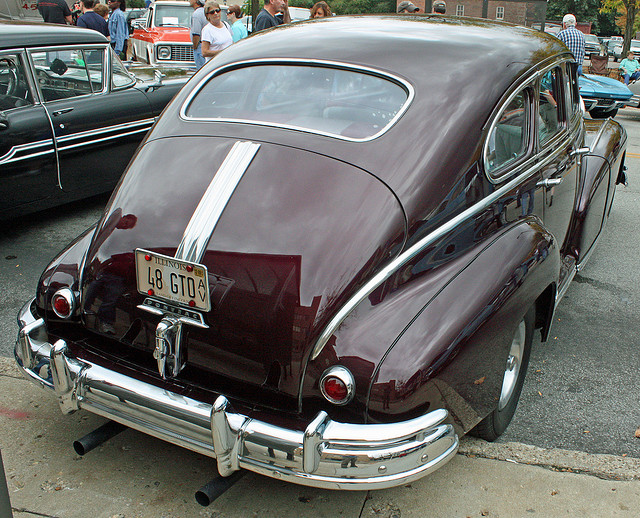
33	34
410	45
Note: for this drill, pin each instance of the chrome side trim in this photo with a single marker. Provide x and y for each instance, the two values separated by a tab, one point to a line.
327	454
94	136
414	250
205	218
565	286
35	147
308	62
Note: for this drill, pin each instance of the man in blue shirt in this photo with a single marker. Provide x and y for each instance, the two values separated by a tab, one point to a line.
92	20
118	29
573	38
267	16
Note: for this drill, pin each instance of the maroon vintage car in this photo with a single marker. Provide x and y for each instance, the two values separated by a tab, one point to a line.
328	258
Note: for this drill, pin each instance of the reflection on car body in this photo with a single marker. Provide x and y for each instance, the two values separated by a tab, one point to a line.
379	242
72	116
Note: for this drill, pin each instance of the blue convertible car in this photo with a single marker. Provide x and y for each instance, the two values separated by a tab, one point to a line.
603	95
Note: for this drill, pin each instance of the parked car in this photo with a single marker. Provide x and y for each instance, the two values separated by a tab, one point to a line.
603	95
163	37
71	116
328	270
591	44
617	50
611	44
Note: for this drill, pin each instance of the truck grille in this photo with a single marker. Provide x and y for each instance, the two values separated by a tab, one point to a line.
181	53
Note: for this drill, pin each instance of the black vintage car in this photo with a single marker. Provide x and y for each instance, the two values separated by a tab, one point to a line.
328	259
71	115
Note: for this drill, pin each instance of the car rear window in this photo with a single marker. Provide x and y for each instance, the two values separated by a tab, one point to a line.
344	103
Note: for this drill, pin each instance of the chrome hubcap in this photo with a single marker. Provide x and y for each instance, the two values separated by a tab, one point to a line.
514	362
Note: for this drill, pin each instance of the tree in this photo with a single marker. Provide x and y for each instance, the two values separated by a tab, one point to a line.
626	10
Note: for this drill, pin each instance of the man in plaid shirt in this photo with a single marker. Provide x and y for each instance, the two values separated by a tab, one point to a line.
573	38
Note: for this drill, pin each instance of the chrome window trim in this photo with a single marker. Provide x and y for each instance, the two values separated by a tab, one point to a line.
309	62
26	63
527	81
89	46
111	54
505	168
564	126
388	270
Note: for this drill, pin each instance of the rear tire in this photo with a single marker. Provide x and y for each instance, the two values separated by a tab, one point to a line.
495	424
599	113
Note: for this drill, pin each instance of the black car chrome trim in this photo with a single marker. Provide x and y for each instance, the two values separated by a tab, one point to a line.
309	62
205	218
79	46
89	137
414	250
11	157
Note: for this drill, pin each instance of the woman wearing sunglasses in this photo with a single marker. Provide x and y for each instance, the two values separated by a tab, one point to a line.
216	36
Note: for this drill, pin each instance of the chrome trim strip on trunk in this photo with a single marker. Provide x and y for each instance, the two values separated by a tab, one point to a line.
205	218
327	454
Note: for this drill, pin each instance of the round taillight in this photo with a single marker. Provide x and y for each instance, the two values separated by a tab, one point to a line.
337	385
64	303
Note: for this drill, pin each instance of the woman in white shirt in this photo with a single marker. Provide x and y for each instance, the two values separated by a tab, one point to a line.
215	36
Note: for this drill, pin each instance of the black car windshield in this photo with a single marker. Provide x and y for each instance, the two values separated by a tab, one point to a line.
345	103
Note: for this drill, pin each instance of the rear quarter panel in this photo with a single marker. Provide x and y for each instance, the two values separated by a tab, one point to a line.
596	185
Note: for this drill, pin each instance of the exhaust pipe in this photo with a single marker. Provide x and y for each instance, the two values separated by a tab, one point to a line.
97	437
209	492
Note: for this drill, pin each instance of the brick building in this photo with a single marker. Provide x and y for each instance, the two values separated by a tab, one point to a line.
522	12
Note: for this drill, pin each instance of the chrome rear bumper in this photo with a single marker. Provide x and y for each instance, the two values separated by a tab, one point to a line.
328	454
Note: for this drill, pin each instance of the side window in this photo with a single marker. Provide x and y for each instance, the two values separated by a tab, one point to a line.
14	88
62	74
550	106
509	140
119	75
572	89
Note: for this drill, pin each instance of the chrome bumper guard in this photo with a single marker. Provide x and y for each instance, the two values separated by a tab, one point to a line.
327	454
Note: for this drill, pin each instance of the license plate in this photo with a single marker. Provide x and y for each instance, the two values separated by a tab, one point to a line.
173	280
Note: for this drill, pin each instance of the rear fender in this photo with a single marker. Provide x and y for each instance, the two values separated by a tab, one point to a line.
599	174
453	352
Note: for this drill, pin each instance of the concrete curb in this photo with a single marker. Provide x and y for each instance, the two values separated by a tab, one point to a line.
607	467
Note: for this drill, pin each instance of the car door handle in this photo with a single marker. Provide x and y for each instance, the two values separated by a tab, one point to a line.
579	151
4	123
550	182
60	112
